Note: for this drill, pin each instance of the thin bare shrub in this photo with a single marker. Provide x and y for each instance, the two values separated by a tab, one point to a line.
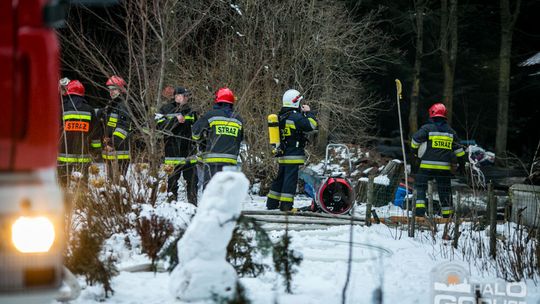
154	232
104	210
516	247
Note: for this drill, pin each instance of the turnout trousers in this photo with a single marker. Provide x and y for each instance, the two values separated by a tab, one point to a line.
283	188
444	189
209	170
189	173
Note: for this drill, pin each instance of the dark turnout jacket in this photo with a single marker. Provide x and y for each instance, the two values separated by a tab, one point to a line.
78	130
115	123
442	145
294	127
222	130
178	143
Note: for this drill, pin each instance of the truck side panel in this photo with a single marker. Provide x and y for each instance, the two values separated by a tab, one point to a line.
37	129
7	42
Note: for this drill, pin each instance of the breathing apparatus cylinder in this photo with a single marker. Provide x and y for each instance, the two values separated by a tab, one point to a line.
273	133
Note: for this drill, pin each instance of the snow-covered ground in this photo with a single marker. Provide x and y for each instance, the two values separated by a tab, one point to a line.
383	257
380	255
402	265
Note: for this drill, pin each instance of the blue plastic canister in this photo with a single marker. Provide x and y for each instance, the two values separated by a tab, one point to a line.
399	197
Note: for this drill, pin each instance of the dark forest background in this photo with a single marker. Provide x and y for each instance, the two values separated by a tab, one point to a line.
476	83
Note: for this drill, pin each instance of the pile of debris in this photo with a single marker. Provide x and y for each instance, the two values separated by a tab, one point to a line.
385	183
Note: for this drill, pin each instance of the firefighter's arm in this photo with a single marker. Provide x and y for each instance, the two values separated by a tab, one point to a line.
190	118
199	127
458	148
307	124
460	154
164	121
241	131
95	132
418	138
122	130
160	118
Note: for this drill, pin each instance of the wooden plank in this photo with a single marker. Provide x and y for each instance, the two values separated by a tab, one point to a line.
417	219
301	213
302	220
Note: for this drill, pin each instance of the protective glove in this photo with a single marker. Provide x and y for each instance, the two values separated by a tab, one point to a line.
276	150
181	118
64	81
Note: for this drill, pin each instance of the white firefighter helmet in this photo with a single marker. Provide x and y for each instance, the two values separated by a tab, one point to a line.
292	98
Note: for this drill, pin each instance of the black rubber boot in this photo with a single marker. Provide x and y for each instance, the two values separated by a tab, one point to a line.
272	204
420	212
285	206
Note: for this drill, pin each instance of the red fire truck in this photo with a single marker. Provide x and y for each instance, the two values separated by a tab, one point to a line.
31	202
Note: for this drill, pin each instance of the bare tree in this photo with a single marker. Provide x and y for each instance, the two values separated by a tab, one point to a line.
508	20
267	47
419	9
449	43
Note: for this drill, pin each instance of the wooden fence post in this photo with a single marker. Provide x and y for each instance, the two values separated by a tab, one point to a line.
412	221
370	197
456	220
430	199
492	207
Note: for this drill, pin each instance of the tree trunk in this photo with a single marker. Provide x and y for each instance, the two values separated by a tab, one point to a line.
504	88
324	125
449	42
508	20
415	91
324	113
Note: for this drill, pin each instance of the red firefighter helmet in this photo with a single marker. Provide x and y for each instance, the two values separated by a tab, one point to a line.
437	110
224	95
117	81
75	87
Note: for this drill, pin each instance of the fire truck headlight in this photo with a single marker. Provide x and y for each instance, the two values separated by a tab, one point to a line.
32	234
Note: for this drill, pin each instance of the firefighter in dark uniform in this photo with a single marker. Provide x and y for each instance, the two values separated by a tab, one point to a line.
175	120
220	131
116	128
294	126
79	126
441	149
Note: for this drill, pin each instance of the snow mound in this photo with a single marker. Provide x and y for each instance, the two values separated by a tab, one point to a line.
203	272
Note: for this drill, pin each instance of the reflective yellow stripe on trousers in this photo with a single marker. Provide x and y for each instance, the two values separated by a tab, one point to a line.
429	164
115	155
291	160
220	158
74	158
284	197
